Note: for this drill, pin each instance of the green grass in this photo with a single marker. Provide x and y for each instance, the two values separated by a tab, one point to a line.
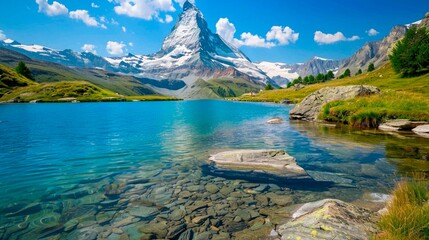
400	98
10	80
17	88
407	217
61	91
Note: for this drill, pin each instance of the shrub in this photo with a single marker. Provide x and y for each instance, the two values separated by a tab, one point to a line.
408	212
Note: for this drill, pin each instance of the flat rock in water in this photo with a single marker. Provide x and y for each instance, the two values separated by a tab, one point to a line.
400	124
422	130
275	120
272	161
310	107
329	219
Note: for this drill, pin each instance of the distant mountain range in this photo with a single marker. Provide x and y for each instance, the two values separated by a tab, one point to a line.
190	59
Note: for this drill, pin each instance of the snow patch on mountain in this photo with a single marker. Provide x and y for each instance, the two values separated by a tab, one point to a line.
275	69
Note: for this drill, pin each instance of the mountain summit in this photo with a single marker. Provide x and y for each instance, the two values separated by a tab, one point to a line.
191	51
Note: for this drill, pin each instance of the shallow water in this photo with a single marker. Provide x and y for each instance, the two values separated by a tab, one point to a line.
112	170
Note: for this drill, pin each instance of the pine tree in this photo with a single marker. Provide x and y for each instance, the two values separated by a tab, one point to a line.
411	54
24	70
269	87
371	67
359	72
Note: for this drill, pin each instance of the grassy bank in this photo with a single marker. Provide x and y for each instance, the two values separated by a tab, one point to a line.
400	98
407	216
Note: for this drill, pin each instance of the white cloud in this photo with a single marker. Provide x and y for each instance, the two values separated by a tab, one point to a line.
114	22
94	5
276	36
2	36
115	48
372	32
284	36
84	16
89	48
53	9
225	29
248	39
168	18
144	9
327	38
103	19
131	44
124	29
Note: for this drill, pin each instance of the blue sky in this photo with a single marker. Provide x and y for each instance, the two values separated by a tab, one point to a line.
302	29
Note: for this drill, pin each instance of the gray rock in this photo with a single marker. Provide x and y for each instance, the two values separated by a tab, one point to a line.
265	160
422	130
204	236
212	188
310	107
275	120
243	214
159	229
173	232
329	219
177	214
187	235
146	213
29	209
400	124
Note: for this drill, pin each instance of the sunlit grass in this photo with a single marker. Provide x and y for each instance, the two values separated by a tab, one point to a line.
407	216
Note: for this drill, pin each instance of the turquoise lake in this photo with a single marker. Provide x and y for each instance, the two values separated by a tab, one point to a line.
114	170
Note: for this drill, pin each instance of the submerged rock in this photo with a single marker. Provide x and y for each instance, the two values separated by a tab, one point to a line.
310	107
265	160
329	219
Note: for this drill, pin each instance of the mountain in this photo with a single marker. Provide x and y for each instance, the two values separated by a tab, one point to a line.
189	53
282	73
376	52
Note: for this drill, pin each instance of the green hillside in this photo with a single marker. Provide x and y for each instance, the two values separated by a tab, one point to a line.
223	88
400	98
51	72
10	80
16	88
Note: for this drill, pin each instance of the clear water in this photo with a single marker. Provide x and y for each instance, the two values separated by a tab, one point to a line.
50	152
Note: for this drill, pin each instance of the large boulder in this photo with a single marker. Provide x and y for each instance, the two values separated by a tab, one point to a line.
310	107
329	219
263	160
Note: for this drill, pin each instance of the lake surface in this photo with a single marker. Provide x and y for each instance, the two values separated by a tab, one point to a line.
118	170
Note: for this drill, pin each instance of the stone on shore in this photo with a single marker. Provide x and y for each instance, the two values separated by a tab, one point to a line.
329	219
422	130
264	160
310	107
